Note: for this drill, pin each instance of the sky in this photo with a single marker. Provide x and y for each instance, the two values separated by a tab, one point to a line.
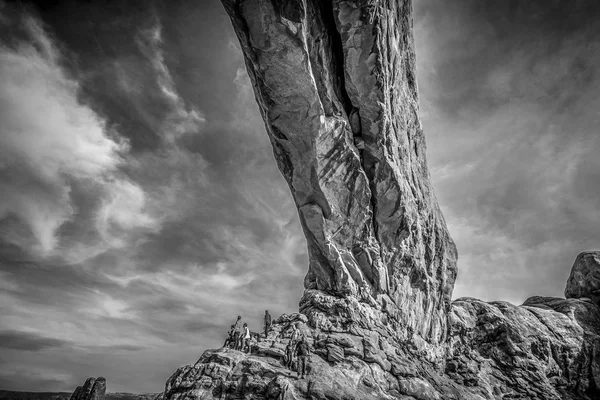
141	209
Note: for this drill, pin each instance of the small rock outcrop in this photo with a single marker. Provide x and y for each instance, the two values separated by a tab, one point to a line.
584	281
335	83
92	389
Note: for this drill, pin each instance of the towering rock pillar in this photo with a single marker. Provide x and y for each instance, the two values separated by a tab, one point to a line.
335	83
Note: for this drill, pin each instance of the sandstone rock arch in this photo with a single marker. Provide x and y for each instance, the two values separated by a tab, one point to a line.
335	84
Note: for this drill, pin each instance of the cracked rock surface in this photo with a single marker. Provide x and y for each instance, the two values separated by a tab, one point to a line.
335	83
330	78
92	389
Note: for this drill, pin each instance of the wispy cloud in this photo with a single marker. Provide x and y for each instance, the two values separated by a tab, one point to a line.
28	341
509	104
50	142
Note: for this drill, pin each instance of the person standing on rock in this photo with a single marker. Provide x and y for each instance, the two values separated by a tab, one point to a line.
295	335
237	330
246	339
302	352
267	322
289	355
230	337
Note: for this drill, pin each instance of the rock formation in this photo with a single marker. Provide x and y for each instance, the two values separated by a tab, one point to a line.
584	281
335	83
326	76
92	389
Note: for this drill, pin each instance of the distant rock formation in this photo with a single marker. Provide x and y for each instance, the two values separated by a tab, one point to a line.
92	389
15	395
335	83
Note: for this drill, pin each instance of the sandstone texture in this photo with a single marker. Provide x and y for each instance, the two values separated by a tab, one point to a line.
330	78
92	389
335	83
584	281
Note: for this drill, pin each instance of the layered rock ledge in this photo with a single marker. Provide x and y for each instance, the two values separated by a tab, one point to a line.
335	83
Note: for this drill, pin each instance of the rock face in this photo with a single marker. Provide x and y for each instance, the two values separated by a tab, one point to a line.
335	83
330	78
92	389
584	281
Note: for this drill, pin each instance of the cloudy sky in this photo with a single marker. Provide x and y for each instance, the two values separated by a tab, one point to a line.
141	208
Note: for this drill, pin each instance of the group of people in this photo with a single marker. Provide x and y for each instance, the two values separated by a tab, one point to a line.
239	336
297	351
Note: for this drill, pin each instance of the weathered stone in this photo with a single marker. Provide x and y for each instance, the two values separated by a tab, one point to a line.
334	353
373	226
584	281
418	389
85	391
540	349
75	393
335	84
98	390
92	389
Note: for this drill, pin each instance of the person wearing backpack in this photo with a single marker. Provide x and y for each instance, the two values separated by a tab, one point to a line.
303	354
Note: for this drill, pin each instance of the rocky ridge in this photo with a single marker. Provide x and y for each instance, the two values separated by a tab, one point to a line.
335	83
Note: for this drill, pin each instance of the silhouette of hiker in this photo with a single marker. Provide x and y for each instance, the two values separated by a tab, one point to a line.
230	337
267	322
303	353
237	330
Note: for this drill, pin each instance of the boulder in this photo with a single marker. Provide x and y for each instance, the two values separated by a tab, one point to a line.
584	280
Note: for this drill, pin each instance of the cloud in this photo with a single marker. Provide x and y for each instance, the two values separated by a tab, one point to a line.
510	106
51	142
28	341
180	119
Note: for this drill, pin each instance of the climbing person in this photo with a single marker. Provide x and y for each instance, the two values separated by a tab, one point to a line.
237	330
267	322
303	353
246	339
230	338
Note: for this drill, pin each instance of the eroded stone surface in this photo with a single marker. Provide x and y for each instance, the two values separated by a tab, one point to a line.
92	389
335	83
545	349
331	77
584	281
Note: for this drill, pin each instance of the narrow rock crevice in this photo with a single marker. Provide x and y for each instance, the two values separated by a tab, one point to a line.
368	162
338	73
